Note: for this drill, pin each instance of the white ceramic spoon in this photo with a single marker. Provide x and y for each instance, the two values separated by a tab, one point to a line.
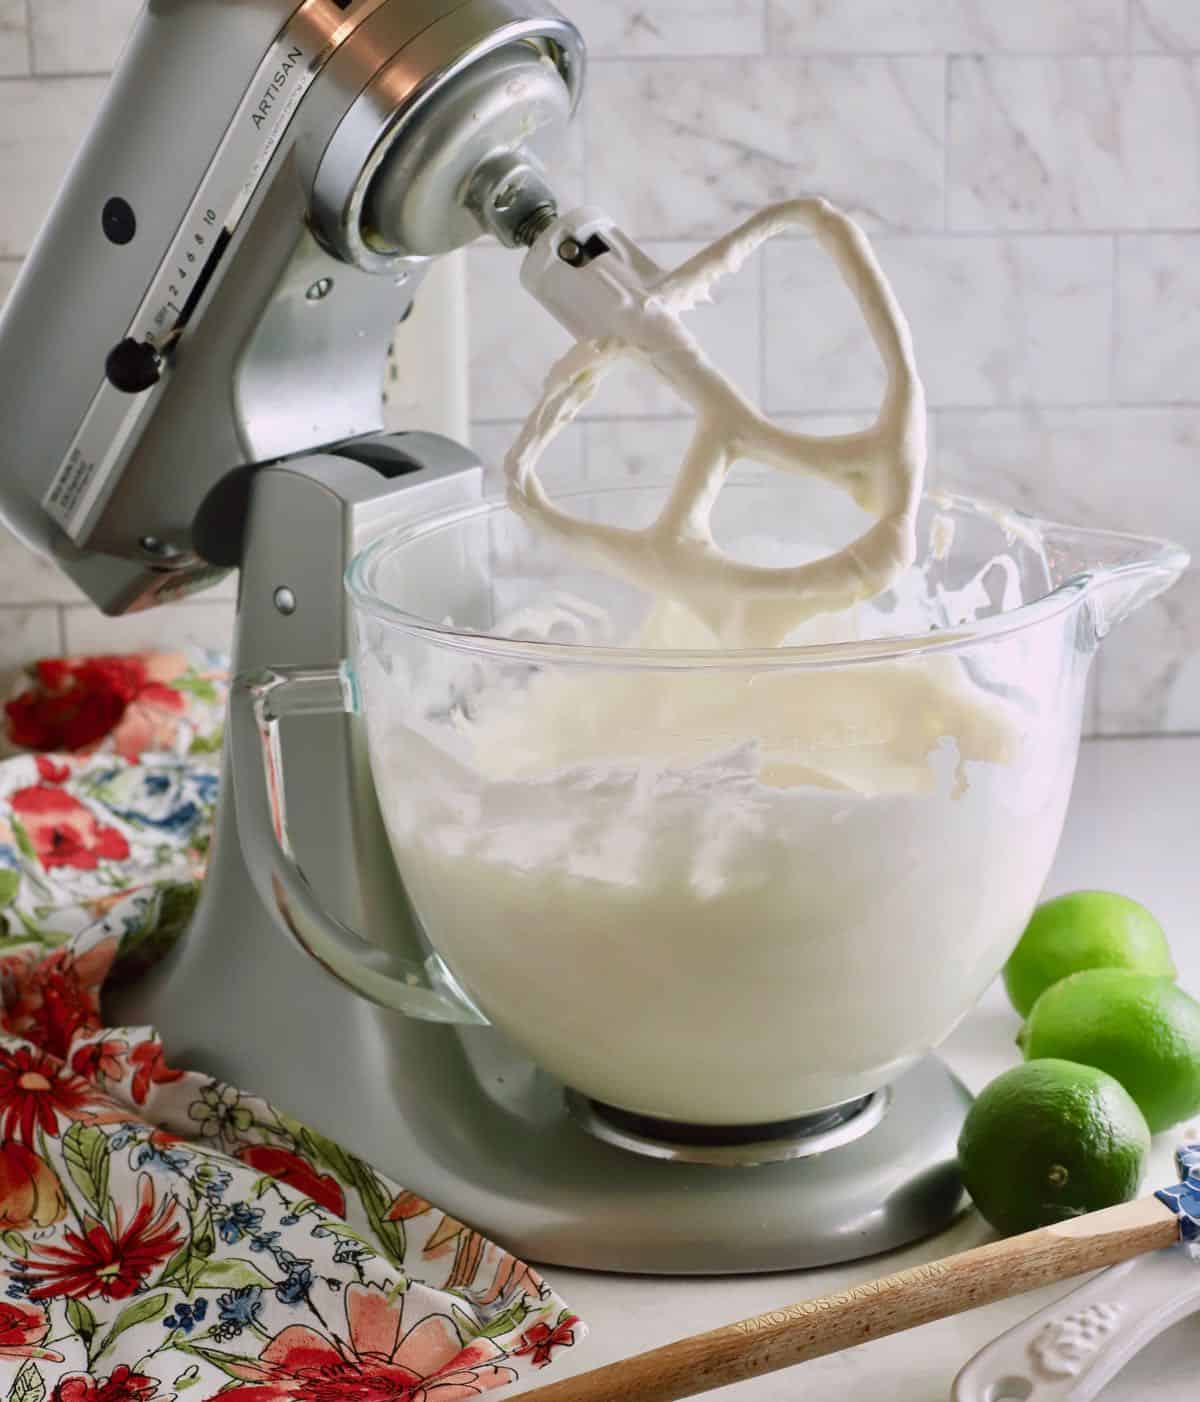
1073	1348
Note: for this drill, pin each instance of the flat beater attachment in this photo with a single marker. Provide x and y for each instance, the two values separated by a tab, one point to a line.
619	304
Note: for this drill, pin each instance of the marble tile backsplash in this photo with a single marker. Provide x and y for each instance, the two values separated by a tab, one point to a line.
996	321
1030	173
1158	343
79	36
42	121
682	148
14	37
1074	143
1164	24
669	26
1124	468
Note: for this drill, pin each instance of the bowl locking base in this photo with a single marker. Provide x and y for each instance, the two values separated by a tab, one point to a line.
744	1146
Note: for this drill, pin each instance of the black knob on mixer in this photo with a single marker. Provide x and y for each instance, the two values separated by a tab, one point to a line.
133	366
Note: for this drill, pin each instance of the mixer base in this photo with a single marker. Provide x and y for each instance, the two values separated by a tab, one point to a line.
462	1118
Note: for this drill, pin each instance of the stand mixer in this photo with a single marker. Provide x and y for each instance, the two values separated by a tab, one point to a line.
190	383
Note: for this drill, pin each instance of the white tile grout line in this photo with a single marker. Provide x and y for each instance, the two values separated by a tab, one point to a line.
1146	735
585	144
946	79
822	56
1009	235
798	56
1114	348
1081	408
49	79
1094	715
763	313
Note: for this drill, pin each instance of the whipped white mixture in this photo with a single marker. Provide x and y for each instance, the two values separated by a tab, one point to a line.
707	892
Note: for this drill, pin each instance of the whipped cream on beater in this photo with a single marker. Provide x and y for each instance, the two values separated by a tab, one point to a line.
628	307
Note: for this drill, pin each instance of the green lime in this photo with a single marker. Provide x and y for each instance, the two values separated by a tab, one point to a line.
1051	1140
1143	1030
1085	930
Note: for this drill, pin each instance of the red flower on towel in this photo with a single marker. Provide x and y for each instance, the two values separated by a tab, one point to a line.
30	1193
123	1386
379	1362
22	1329
64	833
100	1061
35	1090
75	702
57	999
543	1339
297	1173
407	1206
151	720
112	1264
151	1069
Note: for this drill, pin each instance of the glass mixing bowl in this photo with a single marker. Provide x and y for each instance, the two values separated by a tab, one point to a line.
706	885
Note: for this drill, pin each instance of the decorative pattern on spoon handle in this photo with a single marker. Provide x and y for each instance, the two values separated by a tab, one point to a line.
1184	1198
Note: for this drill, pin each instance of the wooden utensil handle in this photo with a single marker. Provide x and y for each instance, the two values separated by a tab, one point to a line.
876	1309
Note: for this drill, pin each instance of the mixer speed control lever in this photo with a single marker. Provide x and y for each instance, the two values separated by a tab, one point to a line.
133	366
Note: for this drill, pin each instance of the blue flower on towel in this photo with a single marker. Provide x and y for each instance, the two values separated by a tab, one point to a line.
242	1220
164	1160
165	798
186	1316
240	1308
293	1290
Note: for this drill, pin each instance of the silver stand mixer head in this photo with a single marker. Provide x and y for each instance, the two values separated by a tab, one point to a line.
184	404
251	214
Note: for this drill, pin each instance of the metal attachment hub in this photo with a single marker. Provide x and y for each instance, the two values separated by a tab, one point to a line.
741	1146
465	151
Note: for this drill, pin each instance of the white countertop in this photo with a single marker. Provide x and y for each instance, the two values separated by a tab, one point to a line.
1132	828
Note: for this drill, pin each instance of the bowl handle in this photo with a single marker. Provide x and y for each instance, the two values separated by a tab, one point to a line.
420	985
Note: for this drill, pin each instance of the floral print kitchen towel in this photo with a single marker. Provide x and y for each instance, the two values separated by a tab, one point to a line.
163	1235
